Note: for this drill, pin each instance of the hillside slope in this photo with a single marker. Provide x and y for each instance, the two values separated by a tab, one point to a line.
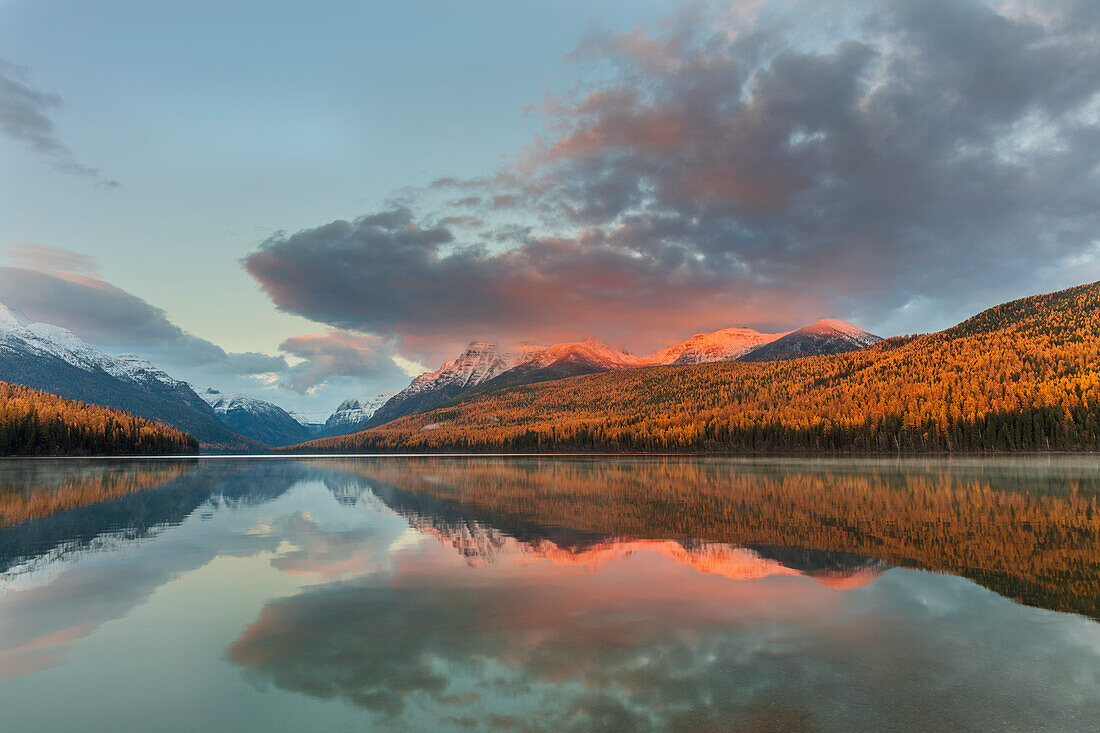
34	423
1022	376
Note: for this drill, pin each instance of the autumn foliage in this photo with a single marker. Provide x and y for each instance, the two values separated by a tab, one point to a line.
1022	376
34	423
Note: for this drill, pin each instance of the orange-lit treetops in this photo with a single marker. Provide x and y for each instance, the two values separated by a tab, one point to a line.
39	423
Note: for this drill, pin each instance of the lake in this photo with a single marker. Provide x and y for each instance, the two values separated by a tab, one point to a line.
523	593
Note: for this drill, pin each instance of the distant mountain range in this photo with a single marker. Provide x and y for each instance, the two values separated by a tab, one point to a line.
351	414
485	367
54	360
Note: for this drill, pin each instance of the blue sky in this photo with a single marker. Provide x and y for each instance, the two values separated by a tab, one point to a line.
226	121
622	152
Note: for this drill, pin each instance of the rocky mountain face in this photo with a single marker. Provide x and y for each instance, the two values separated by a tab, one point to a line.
54	360
255	418
827	336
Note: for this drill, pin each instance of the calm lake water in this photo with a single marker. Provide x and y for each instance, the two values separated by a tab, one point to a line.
440	593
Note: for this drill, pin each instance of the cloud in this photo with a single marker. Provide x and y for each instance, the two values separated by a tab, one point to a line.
583	649
117	320
387	274
327	367
24	117
764	167
336	354
49	259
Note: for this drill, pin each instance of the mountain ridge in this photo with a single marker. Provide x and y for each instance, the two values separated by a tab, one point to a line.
1020	376
256	419
484	366
827	336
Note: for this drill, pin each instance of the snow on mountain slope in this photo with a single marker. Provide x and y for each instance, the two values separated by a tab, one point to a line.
838	330
351	413
827	336
724	345
226	402
11	318
255	418
43	338
480	362
572	359
589	352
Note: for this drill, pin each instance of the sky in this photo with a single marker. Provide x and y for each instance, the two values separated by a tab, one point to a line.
312	201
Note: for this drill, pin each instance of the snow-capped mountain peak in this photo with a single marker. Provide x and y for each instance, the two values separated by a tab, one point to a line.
355	410
258	419
836	328
480	362
723	345
222	402
827	336
590	351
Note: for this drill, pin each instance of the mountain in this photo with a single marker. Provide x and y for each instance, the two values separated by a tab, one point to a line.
485	367
480	362
256	419
724	345
351	414
1021	376
559	361
54	360
827	336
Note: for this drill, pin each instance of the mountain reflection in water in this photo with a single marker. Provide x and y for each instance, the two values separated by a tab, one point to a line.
546	594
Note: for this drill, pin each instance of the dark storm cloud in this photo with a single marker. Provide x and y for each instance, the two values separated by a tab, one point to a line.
24	117
398	279
755	167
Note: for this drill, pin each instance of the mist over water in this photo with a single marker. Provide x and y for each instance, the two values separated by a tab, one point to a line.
645	594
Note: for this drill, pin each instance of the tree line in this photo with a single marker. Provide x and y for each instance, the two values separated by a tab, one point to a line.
34	423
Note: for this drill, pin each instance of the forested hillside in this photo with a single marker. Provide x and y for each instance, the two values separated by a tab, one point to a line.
1021	376
34	423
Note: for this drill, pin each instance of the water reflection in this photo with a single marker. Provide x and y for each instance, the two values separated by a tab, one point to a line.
587	594
1027	529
